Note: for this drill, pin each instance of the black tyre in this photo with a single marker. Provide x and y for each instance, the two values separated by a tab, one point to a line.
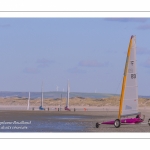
149	122
117	123
97	125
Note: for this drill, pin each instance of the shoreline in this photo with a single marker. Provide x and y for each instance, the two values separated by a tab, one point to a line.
72	108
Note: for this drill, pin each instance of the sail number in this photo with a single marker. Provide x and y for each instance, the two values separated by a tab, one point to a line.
133	76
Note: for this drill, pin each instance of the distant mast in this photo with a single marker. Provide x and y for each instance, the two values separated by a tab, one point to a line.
28	102
68	91
57	88
42	95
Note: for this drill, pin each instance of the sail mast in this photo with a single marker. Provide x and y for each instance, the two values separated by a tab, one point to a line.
124	78
42	96
68	90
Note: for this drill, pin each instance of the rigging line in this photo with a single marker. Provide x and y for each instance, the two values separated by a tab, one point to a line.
118	86
92	11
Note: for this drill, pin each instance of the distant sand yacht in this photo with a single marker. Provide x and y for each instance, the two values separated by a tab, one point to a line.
41	107
67	102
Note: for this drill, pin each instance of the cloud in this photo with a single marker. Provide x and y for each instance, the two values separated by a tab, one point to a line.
43	65
31	70
142	20
113	51
76	70
91	63
142	50
44	62
144	27
4	25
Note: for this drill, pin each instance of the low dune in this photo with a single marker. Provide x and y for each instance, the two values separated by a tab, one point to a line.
75	101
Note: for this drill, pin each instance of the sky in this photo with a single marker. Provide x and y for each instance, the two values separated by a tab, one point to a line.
89	52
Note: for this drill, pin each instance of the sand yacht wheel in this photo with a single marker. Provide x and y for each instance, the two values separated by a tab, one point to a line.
117	123
97	125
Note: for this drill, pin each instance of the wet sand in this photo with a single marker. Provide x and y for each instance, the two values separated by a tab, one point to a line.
65	121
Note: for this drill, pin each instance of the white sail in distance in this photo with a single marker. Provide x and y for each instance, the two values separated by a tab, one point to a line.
130	100
28	102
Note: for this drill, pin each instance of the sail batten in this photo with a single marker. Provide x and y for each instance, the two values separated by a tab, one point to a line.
137	113
131	86
131	98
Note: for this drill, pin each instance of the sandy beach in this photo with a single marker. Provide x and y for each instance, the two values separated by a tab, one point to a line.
85	112
54	121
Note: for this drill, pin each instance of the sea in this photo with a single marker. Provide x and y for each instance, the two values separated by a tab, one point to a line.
57	94
53	94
